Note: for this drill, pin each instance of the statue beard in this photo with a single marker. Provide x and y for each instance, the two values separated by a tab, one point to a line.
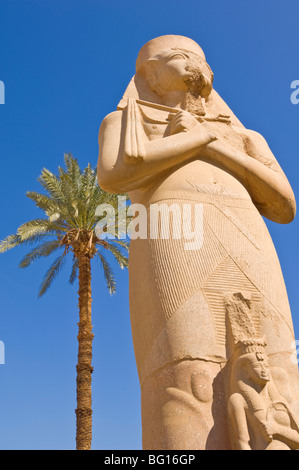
199	88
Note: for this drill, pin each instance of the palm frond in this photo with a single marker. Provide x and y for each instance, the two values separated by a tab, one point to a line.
39	227
52	185
44	202
74	272
43	250
89	183
108	274
51	274
72	167
15	240
71	179
121	258
123	244
86	196
9	242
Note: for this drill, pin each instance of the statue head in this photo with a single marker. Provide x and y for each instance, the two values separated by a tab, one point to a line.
147	84
175	63
253	362
257	368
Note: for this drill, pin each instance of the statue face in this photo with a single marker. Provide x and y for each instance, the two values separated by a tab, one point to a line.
258	368
169	72
177	70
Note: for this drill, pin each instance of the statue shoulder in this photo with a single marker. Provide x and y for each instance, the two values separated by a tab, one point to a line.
111	125
236	401
112	118
251	136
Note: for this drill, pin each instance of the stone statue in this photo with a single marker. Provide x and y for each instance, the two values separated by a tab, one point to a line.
260	416
173	141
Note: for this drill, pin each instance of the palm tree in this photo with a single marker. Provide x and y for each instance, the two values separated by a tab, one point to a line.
69	203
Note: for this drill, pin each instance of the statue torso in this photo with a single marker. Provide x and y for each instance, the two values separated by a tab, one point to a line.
198	175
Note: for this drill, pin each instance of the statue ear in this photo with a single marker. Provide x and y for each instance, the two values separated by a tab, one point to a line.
150	71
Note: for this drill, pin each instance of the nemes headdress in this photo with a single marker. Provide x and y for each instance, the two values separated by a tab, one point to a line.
160	44
138	90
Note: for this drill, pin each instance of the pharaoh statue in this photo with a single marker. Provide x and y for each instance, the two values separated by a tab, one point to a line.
174	142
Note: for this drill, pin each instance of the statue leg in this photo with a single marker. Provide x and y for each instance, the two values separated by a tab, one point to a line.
184	407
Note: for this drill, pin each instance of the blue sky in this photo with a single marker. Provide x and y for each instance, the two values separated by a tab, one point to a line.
65	65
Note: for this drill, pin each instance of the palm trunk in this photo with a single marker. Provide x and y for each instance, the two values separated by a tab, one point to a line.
84	368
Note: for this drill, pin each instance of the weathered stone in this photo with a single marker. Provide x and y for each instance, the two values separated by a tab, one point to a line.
198	313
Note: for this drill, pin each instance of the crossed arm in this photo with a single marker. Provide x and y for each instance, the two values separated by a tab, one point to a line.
257	169
115	171
261	175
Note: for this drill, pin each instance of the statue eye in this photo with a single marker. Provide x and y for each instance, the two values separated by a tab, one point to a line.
177	56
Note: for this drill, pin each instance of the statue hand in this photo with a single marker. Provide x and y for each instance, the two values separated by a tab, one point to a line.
182	122
269	429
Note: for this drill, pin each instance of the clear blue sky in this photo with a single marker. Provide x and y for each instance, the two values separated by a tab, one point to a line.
65	65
